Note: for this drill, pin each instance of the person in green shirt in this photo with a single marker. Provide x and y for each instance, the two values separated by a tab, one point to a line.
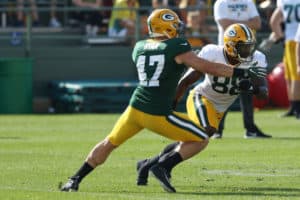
160	61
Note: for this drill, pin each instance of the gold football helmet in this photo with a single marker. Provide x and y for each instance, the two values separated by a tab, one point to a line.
164	22
239	42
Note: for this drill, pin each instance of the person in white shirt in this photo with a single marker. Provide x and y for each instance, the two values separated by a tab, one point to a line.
287	14
227	12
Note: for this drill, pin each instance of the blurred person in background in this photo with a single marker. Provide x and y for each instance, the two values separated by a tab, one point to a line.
122	21
20	13
194	13
92	19
227	12
297	39
287	15
53	19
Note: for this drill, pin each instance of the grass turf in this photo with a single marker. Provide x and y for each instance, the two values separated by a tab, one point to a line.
39	151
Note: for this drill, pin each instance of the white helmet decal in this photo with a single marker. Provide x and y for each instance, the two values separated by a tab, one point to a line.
168	17
232	33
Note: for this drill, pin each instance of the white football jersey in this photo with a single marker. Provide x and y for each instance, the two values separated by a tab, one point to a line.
297	37
222	91
291	14
234	10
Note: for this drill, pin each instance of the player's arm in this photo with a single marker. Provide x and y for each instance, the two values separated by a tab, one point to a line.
190	59
190	77
275	24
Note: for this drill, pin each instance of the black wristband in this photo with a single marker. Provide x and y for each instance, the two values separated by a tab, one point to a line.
241	73
279	40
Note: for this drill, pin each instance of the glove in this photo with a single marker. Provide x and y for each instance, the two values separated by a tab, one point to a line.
266	45
244	85
255	71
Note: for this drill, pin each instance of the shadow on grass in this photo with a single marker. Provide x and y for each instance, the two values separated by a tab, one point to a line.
251	191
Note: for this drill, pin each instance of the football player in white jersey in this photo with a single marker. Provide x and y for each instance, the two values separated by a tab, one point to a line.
227	12
208	100
287	12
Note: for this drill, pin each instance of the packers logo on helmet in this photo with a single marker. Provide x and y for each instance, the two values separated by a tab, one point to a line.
239	42
163	22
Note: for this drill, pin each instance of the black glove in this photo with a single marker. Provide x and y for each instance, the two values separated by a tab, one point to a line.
253	72
245	85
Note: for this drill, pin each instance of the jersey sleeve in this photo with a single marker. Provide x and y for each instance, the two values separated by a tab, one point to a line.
219	10
297	37
261	59
207	52
178	46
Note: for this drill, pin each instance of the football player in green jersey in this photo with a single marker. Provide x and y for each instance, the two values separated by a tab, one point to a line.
160	62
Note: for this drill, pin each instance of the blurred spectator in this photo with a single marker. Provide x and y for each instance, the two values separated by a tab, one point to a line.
53	20
92	19
20	13
194	13
172	4
160	4
123	18
145	10
266	8
287	12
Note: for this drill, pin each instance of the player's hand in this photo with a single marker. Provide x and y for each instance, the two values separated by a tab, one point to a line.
255	71
266	45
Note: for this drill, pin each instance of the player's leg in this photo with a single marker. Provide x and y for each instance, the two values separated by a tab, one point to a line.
294	77
126	127
195	110
144	165
252	131
288	71
178	127
219	133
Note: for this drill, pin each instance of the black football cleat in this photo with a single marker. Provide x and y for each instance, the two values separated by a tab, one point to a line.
217	136
256	134
161	175
142	172
71	186
289	113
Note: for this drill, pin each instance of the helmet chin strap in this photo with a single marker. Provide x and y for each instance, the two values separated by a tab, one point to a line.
242	60
166	34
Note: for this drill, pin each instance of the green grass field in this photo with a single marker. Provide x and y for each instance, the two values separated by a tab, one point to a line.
39	151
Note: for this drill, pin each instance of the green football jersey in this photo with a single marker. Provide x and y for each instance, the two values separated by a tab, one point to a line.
158	74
